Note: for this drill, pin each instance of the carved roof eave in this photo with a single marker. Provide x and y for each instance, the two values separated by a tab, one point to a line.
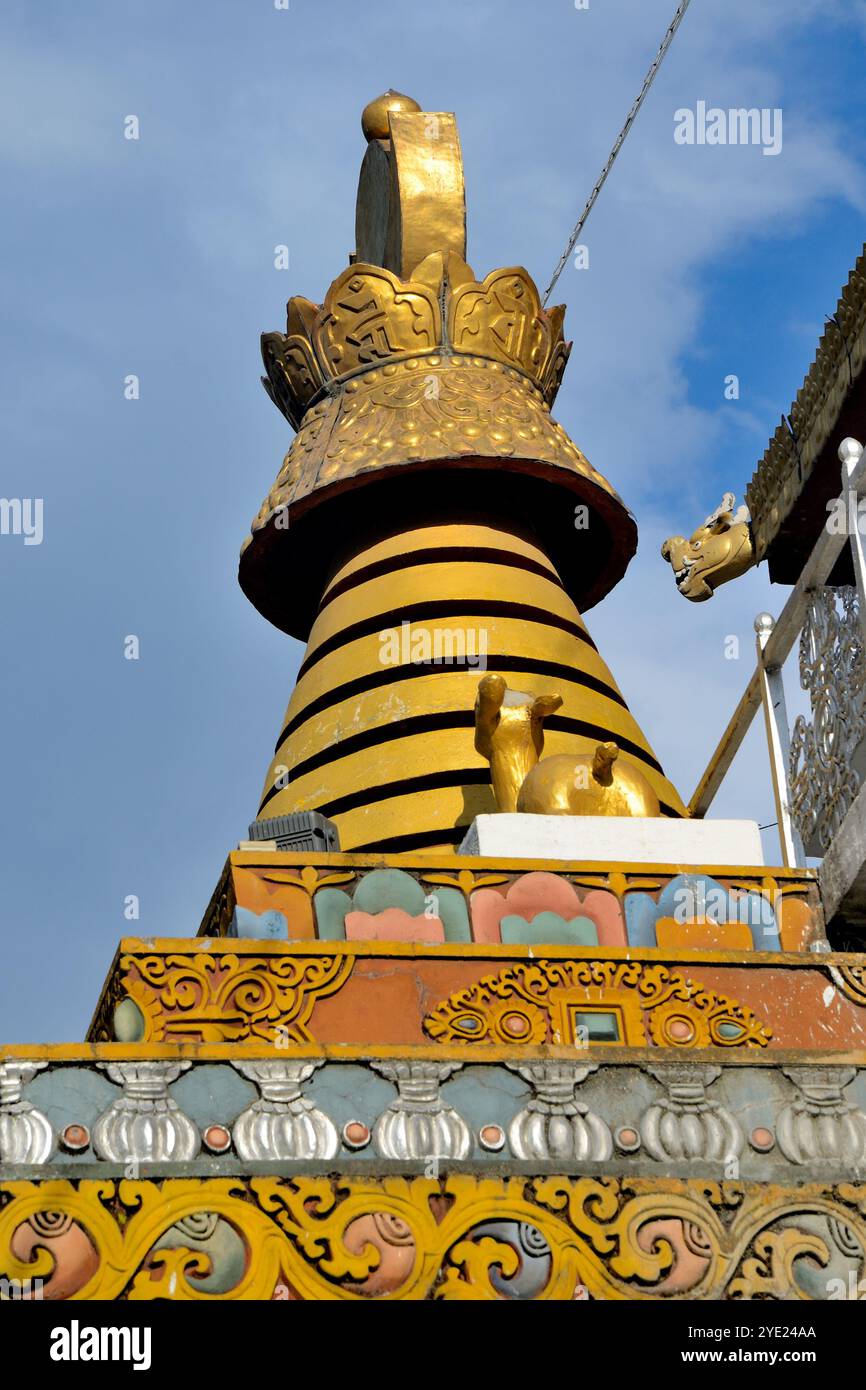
792	451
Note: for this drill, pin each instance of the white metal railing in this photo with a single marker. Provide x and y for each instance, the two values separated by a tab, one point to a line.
774	640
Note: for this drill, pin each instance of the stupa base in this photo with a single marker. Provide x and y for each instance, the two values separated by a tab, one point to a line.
239	1173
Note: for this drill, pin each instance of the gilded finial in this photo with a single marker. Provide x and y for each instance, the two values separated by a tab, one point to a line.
374	117
408	309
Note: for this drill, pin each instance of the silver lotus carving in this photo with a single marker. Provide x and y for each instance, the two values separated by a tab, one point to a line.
820	1125
144	1124
419	1124
25	1134
823	772
282	1123
686	1125
554	1124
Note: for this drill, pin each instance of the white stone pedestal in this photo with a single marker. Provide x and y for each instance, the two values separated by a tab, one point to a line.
619	839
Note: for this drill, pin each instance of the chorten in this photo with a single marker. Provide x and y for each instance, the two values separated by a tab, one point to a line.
477	1011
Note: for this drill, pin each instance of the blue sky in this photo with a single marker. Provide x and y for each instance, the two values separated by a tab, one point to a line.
155	257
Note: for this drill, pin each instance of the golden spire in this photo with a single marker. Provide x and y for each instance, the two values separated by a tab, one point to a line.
412	361
431	520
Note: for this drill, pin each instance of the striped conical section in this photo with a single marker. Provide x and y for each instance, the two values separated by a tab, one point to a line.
379	733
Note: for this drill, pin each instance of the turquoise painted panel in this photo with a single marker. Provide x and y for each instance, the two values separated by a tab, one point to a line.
330	906
453	914
549	929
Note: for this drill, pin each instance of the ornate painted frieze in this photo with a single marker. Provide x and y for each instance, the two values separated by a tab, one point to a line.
601	1002
718	1113
215	996
453	1236
346	897
397	992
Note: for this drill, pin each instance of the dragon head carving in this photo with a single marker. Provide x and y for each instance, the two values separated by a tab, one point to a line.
719	550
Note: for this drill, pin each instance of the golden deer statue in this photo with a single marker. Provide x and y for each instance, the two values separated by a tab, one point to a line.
509	733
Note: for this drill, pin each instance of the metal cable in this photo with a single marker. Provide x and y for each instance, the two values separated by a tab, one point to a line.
618	144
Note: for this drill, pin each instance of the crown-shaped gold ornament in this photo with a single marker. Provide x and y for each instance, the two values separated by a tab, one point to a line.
370	317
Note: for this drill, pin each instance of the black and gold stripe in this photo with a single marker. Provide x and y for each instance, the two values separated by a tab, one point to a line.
386	748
